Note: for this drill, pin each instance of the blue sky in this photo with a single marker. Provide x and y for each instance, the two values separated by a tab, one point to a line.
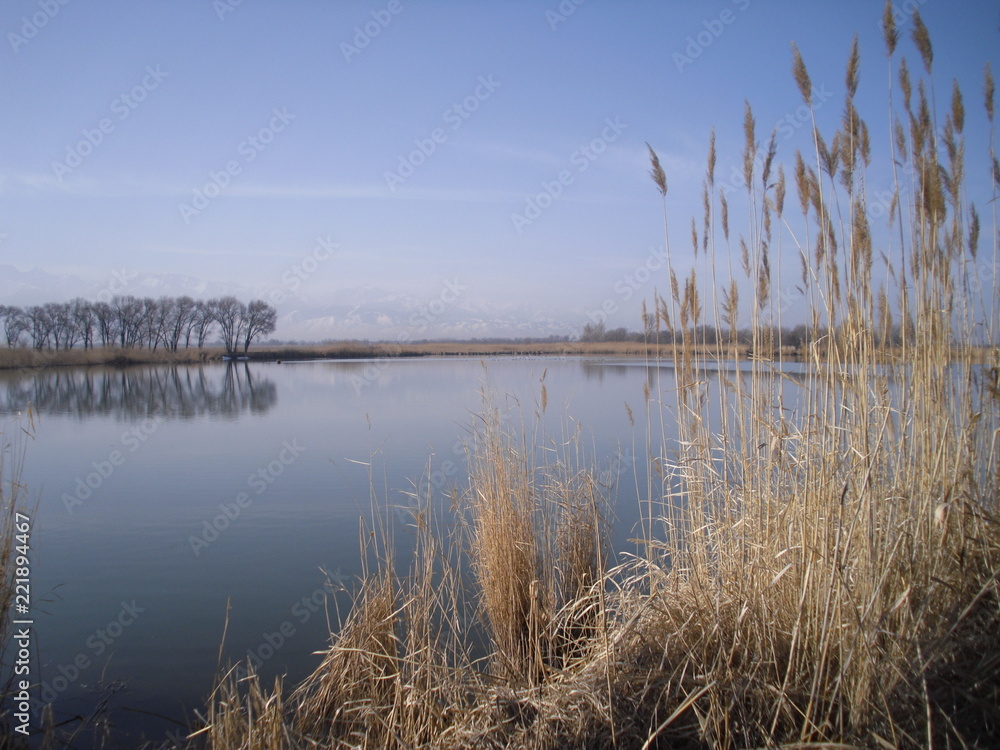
414	148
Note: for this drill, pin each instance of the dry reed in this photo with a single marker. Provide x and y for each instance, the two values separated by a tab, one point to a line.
821	555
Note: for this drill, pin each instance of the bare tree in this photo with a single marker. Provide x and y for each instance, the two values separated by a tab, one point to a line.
84	320
230	314
155	315
260	320
61	331
15	323
203	320
178	321
106	322
128	312
39	325
594	332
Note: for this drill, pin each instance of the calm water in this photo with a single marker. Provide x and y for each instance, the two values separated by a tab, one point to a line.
164	493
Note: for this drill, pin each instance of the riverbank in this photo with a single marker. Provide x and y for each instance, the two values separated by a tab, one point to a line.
117	357
25	358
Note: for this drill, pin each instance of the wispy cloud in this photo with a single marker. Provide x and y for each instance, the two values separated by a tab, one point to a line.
206	252
374	191
14	183
508	152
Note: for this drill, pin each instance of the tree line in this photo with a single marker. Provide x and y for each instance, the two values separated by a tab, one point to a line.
133	322
796	337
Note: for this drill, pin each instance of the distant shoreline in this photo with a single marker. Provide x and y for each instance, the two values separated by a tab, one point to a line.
21	357
26	358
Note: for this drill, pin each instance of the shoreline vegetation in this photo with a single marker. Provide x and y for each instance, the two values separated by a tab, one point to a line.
27	358
816	567
117	357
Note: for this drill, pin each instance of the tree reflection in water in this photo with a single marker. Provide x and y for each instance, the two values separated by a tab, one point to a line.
225	391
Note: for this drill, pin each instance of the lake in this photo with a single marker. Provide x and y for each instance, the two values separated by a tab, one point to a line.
169	495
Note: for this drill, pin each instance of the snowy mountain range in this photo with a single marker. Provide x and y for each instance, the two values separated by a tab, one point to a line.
358	312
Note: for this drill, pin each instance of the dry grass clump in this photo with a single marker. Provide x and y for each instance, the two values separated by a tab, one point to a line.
355	683
26	357
244	714
537	547
821	564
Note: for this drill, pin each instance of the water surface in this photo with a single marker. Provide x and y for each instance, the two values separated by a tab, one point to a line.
169	496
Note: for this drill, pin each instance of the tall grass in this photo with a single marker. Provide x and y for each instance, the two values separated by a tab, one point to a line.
25	357
821	557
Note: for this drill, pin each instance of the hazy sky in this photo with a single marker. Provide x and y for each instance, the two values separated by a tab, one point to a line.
397	144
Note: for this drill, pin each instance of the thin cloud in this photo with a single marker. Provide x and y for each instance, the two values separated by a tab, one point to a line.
507	152
241	252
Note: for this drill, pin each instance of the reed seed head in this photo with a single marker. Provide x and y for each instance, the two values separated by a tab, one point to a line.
901	140
864	143
889	31
973	231
957	107
801	75
730	305
988	91
922	38
904	83
772	150
764	278
853	64
749	145
829	157
711	160
656	171
724	214
802	182
779	191
707	217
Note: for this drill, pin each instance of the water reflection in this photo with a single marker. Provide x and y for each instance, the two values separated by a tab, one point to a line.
221	391
597	370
